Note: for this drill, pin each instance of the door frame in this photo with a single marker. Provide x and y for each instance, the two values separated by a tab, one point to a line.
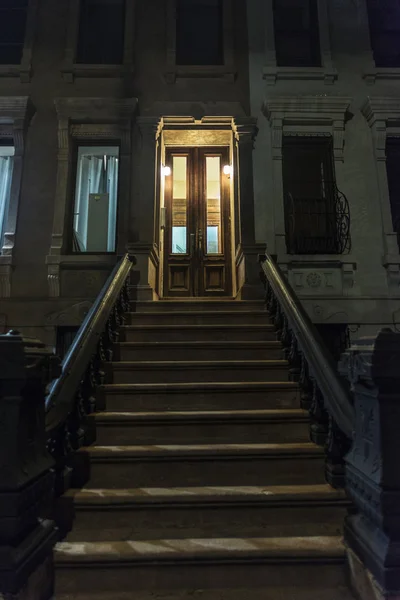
202	274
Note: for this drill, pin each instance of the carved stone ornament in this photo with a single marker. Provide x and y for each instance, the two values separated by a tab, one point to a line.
314	280
372	465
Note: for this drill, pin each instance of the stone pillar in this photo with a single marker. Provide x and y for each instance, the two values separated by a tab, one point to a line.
245	130
372	533
142	235
26	477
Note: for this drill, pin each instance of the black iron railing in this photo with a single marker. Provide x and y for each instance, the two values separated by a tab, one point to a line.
323	392
72	397
318	225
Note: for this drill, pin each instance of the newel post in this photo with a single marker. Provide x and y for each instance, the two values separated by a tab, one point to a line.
26	476
372	533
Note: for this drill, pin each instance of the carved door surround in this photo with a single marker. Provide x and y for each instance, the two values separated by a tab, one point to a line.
88	119
272	72
383	116
71	69
307	116
15	114
238	134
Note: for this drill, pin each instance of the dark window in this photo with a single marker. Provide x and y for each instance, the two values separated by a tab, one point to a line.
101	32
65	337
392	167
384	25
311	217
199	38
12	30
296	33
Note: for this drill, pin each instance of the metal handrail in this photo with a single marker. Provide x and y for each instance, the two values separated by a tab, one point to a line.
60	400
336	397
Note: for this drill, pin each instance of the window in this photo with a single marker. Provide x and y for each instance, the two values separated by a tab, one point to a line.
199	37
12	30
384	25
96	192
392	169
101	32
310	193
296	33
6	169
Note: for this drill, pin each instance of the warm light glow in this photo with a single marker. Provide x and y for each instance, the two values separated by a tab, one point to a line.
166	171
227	170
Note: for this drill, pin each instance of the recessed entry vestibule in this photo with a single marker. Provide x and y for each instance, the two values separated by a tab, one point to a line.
197	211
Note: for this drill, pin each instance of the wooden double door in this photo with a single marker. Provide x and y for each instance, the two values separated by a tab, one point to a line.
197	238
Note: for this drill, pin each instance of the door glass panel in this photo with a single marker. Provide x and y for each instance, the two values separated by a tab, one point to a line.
179	205
213	187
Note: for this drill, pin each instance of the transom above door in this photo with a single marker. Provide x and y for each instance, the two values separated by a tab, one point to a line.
197	258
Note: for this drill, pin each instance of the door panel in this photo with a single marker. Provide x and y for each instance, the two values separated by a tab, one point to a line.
197	234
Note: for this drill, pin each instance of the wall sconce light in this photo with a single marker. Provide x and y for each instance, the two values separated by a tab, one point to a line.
227	170
165	171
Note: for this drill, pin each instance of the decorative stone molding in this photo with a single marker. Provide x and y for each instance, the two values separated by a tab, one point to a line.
383	116
87	119
24	69
226	71
308	116
321	276
71	69
15	114
272	72
372	476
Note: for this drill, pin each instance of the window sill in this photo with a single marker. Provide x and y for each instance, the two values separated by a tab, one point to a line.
21	71
273	74
381	73
200	71
90	71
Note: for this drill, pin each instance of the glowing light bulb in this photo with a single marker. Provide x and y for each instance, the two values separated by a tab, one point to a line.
166	171
227	170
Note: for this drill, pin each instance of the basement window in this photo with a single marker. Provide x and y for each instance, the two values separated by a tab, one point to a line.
96	196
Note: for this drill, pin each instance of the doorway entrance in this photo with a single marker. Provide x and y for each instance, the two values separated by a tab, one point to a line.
197	237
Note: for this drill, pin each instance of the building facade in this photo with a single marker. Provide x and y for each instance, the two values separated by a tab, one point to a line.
193	134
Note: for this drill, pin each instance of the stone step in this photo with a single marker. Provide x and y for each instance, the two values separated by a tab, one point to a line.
199	318
151	513
201	427
203	305
211	333
206	564
196	371
199	465
199	396
198	350
283	592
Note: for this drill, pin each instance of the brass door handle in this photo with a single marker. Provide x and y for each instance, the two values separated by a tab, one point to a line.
200	246
192	243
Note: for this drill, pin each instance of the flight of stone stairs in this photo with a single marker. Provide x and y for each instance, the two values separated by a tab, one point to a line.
203	483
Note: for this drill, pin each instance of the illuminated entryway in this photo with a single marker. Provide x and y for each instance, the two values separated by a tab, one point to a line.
197	235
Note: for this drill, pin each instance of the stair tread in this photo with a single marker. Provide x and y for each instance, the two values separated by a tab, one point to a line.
197	363
171	415
287	592
204	450
204	343
205	385
203	549
310	494
201	313
209	326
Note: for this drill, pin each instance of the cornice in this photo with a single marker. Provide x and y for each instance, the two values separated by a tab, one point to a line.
381	108
111	109
306	107
13	108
